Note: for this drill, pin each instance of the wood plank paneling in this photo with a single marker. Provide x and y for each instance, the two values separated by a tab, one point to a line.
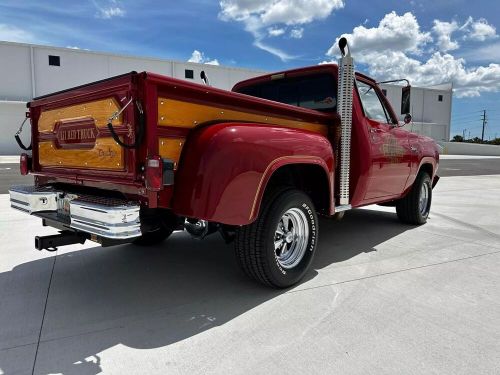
99	110
170	148
106	154
187	115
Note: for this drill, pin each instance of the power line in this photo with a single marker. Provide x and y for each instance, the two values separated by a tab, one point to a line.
485	121
467	117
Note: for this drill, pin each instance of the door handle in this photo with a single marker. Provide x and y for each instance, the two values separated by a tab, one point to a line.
413	148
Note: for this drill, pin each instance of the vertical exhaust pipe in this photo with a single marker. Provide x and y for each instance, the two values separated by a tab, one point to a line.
344	109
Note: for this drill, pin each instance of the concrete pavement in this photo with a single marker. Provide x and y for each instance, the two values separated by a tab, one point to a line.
382	298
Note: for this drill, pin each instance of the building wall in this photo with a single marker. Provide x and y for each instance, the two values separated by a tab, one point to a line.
460	148
11	117
25	73
431	117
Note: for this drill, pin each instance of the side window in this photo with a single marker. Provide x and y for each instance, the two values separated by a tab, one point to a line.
372	105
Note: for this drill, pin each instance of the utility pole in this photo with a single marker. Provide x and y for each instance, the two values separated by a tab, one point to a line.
463	134
485	121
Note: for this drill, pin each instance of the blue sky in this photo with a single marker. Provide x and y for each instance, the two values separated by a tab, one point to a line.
427	41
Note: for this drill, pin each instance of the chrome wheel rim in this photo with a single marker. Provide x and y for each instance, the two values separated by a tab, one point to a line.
291	238
423	201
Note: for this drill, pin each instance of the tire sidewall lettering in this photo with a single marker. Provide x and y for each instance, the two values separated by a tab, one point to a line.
312	222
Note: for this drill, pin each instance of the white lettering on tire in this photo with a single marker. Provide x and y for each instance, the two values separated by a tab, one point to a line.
313	225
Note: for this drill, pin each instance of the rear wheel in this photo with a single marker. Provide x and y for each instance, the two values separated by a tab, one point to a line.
415	207
277	249
157	225
153	238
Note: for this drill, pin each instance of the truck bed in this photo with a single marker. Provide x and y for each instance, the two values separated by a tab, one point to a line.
72	143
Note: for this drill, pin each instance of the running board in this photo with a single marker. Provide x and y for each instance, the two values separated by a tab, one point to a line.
342	208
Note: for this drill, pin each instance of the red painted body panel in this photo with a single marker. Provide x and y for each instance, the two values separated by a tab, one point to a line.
226	167
387	151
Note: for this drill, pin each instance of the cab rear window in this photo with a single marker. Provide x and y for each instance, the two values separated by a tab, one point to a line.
317	92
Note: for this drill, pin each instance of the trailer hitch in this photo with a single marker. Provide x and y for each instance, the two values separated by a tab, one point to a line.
50	243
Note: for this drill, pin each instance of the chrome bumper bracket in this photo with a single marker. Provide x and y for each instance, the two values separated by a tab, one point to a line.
106	217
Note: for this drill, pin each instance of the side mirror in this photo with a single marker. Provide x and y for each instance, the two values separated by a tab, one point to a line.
405	99
407	119
204	78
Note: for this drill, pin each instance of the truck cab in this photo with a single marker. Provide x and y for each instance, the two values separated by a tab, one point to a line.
385	157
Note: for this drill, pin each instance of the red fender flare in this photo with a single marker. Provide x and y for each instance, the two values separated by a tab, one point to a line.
224	168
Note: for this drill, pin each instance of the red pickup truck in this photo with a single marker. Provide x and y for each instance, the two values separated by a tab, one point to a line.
135	157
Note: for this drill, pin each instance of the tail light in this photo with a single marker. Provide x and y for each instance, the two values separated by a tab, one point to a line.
154	173
25	164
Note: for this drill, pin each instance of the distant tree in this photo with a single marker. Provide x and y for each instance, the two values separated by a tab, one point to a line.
476	140
495	141
457	138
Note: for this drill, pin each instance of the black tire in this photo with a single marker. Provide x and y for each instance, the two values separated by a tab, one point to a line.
153	238
255	243
156	225
409	209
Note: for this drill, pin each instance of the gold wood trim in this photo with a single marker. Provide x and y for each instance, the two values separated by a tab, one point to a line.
106	154
99	110
170	148
187	115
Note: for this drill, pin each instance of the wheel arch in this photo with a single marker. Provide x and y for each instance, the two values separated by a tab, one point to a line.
312	177
427	167
225	168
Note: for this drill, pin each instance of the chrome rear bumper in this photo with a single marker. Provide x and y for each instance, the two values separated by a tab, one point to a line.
105	217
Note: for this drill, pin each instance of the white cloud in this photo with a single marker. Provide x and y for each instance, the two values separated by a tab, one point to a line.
275	31
111	12
11	33
260	15
112	9
443	31
398	48
199	58
271	12
394	32
297	33
479	30
489	52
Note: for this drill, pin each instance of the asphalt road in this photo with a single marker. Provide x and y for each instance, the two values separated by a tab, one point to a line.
468	167
9	173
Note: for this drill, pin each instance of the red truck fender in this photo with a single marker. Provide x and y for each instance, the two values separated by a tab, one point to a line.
428	164
224	169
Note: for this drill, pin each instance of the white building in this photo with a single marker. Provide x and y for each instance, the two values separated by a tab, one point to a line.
430	108
28	71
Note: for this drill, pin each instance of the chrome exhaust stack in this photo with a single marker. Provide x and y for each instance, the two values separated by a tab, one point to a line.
344	109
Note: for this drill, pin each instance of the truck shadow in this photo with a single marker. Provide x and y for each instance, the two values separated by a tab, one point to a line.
151	298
